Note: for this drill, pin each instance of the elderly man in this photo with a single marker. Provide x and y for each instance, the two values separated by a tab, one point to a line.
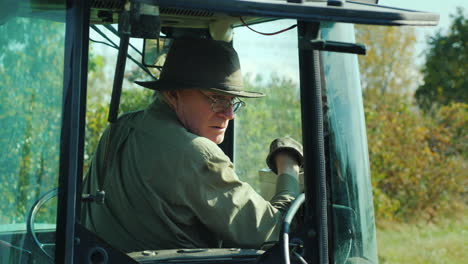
167	183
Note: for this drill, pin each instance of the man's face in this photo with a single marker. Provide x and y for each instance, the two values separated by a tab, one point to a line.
193	108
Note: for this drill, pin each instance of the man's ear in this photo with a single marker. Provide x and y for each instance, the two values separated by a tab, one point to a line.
171	98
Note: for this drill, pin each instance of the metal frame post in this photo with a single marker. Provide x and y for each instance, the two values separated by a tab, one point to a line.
313	142
73	127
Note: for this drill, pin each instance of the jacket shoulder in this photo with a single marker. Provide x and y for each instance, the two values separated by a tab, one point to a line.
205	149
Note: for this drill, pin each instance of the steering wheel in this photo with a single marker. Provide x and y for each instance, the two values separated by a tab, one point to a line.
45	248
290	213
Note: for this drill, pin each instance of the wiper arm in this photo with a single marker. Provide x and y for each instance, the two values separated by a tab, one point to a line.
115	46
113	30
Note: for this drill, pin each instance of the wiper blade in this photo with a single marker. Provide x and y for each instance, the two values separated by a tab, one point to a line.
201	255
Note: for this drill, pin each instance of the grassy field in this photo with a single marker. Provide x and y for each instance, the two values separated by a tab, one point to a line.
443	243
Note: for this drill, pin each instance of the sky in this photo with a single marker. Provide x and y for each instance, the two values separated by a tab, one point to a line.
442	7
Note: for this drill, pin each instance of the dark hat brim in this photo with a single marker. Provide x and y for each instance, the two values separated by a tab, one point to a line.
161	85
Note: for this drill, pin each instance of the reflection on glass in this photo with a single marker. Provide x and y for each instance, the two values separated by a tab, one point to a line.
31	80
155	51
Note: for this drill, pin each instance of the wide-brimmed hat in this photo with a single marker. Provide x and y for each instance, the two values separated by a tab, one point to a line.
201	64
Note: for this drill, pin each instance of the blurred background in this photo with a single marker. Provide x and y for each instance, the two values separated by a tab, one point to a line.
415	85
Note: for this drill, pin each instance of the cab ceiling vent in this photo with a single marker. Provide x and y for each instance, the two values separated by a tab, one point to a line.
108	4
185	12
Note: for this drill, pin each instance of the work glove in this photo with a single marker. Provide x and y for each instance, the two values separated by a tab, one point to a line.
285	145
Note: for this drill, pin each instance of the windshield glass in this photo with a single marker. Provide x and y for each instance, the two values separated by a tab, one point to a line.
352	211
31	81
270	65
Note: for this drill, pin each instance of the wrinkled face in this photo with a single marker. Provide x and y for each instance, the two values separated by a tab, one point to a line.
193	108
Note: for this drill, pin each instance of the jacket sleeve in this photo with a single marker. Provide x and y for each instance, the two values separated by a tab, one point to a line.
229	207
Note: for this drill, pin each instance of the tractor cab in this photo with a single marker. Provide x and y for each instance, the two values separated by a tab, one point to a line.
302	54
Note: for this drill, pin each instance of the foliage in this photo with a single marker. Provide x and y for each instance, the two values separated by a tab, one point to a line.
388	65
415	169
453	120
446	66
30	113
417	161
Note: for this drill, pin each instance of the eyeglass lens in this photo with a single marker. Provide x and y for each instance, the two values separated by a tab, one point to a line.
220	105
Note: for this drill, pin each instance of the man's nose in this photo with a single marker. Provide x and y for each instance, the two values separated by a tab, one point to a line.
228	113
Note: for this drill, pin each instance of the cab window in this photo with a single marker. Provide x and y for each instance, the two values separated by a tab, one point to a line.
270	65
31	81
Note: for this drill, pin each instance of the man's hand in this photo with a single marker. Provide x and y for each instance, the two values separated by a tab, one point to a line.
285	156
287	164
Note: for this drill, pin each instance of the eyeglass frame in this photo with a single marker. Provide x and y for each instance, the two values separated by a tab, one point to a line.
229	103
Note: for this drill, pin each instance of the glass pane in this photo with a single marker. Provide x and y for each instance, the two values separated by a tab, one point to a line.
270	65
352	213
31	81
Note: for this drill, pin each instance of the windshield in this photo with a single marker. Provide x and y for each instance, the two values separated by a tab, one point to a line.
352	207
31	81
270	64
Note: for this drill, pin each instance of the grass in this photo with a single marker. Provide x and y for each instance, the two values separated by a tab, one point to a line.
445	242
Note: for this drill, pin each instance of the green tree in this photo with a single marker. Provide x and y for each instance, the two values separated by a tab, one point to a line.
453	118
416	161
29	113
446	66
416	173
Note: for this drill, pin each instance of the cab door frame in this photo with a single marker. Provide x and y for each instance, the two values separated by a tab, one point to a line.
316	203
73	127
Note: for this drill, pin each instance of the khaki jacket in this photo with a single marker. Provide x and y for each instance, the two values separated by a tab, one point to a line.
168	188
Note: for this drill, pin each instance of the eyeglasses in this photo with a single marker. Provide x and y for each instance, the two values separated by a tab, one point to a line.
219	105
